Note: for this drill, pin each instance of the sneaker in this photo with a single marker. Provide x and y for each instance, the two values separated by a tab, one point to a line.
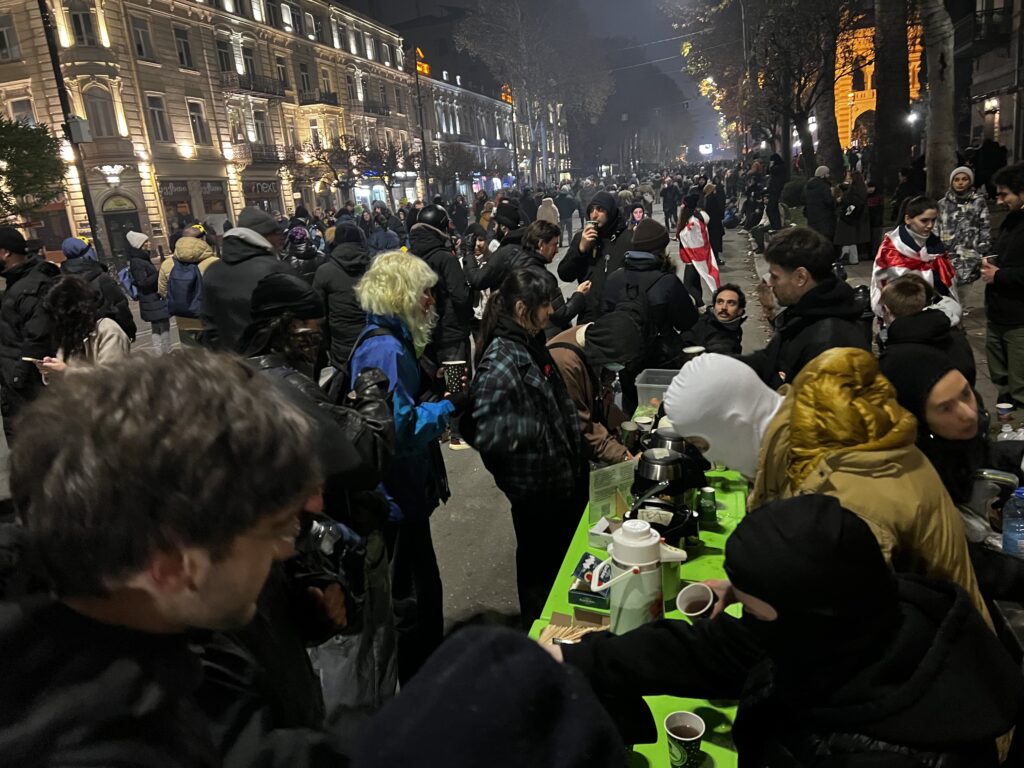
458	444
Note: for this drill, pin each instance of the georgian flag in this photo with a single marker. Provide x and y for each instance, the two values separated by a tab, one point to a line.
695	249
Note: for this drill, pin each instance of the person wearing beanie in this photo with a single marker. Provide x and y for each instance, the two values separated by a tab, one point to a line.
509	231
963	222
665	313
335	282
588	357
839	430
834	654
820	203
248	253
491	696
597	251
146	279
548	212
24	324
80	261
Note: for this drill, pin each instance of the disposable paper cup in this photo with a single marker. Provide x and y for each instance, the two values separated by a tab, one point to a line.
454	371
684	731
694	351
696	601
1004	409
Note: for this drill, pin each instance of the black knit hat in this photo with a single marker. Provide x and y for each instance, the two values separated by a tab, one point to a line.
491	696
613	338
281	292
12	240
650	236
913	369
507	214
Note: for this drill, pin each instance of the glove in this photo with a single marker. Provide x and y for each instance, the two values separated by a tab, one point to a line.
458	399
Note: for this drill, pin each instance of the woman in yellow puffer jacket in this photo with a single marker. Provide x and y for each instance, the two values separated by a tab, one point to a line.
189	250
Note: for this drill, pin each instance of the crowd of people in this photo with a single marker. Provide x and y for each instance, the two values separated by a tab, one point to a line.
222	555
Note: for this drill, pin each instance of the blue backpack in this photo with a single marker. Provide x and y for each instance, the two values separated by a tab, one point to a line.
183	289
124	277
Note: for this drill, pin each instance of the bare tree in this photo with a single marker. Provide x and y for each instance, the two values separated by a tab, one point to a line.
454	162
385	162
334	161
940	155
892	86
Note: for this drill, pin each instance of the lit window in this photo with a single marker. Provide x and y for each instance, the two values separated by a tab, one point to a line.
9	49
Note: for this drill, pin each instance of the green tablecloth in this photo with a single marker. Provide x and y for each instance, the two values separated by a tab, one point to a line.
709	564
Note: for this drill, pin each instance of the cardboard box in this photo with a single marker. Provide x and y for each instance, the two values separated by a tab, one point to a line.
581	591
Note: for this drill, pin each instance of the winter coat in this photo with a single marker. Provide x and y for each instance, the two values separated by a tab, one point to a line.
564	311
25	326
815	444
964	222
670	309
335	281
714	207
941	693
716	337
820	207
451	294
523	422
115	302
383	239
931	327
460	216
415	482
105	345
776	179
489	276
607	254
584	387
303	259
528	207
856	228
566	204
190	250
825	317
146	277
548	212
901	254
228	284
1004	296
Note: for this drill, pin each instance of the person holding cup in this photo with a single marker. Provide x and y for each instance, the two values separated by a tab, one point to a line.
834	654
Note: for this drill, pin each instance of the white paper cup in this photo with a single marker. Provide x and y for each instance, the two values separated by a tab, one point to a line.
696	601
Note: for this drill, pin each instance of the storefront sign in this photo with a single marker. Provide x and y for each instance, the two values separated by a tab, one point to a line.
174	190
117	203
214	198
262	188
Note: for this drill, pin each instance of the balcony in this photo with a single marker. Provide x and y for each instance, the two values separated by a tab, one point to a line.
376	108
266	86
261	154
983	31
316	96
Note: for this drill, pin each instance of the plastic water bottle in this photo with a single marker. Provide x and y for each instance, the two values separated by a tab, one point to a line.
1007	433
1013	524
1019	434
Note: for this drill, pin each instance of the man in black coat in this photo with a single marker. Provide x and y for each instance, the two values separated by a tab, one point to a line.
509	229
836	660
249	252
596	251
540	246
567	205
24	324
820	312
720	328
820	204
335	282
778	173
1004	291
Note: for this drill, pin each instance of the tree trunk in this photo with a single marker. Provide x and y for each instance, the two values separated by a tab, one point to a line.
830	151
892	99
940	154
808	161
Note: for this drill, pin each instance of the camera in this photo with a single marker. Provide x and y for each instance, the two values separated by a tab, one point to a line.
331	552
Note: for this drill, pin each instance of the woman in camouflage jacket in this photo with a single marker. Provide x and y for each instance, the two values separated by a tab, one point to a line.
963	221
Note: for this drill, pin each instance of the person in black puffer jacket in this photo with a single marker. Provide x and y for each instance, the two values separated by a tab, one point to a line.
80	261
335	282
670	310
301	254
146	277
594	254
509	230
429	240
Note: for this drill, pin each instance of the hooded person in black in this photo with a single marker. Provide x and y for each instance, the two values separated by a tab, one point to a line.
510	228
594	254
836	661
821	312
335	281
80	260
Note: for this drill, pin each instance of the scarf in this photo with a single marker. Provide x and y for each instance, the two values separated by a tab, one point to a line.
507	328
900	249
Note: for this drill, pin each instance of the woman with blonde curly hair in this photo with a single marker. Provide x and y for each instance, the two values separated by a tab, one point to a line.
397	294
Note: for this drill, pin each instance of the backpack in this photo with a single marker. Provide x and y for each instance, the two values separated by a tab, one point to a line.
183	289
339	386
124	277
597	414
657	349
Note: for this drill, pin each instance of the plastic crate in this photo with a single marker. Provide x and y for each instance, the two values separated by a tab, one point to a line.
651	385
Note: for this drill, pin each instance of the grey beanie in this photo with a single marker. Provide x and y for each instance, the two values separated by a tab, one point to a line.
258	221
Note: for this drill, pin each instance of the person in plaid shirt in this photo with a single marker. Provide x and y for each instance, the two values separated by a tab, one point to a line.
524	424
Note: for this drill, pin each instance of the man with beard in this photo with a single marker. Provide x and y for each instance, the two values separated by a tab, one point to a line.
597	251
720	328
836	661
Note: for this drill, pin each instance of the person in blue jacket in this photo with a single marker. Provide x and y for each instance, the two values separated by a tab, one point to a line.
397	294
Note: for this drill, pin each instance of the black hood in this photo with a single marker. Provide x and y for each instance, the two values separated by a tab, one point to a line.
424	239
86	269
817	181
514	237
829	298
943	652
354	258
929	327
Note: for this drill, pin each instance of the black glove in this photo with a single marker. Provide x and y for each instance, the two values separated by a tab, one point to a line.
458	399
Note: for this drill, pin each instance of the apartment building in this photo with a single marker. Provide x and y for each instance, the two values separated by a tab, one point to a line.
198	109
